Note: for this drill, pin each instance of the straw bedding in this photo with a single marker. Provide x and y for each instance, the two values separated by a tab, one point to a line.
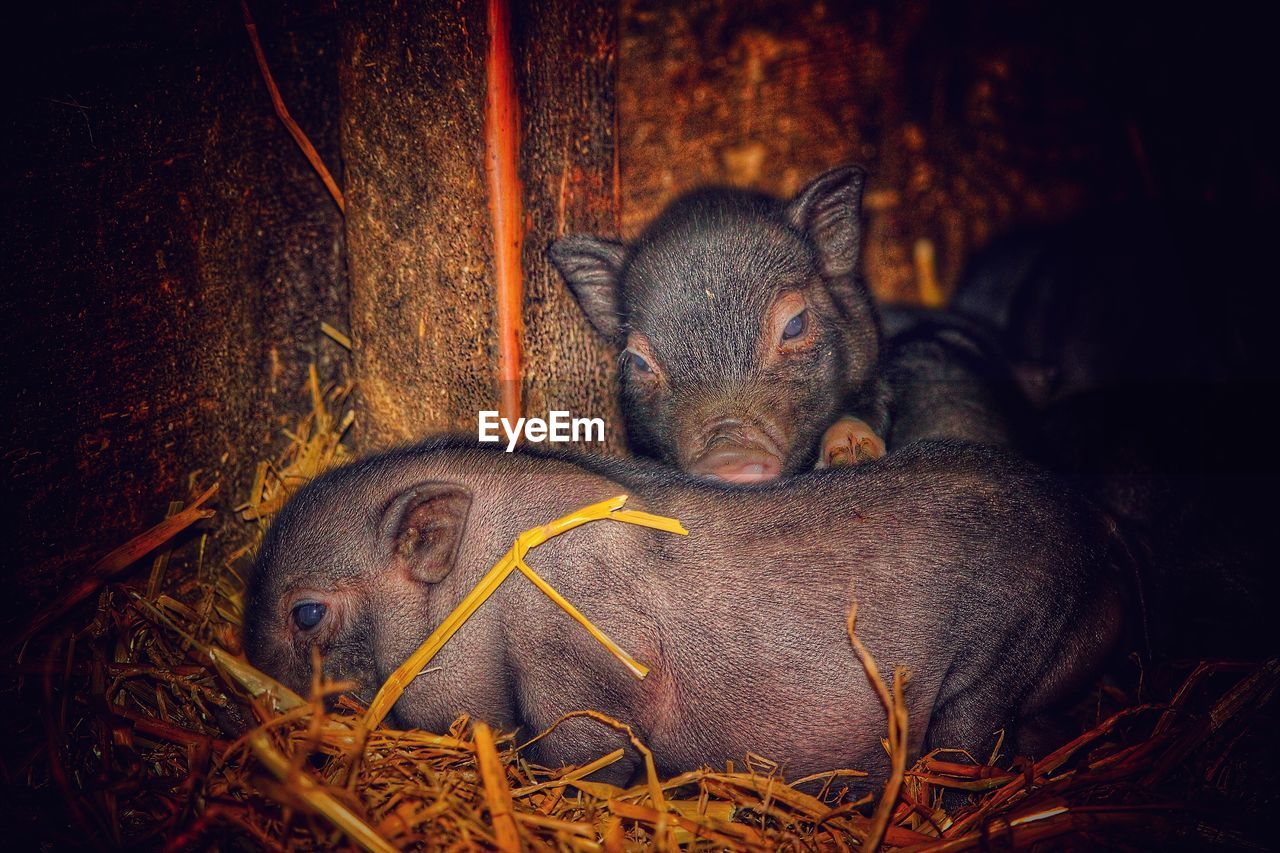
156	732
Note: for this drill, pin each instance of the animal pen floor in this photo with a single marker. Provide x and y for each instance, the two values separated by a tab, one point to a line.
151	731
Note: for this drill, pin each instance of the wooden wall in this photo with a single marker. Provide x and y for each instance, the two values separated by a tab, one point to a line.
172	253
974	119
167	261
169	254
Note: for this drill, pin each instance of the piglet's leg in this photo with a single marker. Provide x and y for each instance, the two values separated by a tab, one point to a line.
849	441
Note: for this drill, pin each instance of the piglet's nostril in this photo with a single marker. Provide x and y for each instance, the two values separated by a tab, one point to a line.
730	432
722	431
718	439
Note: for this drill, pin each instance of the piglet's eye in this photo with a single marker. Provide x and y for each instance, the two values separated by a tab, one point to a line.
638	362
308	615
795	326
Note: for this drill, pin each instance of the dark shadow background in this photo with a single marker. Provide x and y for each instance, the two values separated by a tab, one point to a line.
168	254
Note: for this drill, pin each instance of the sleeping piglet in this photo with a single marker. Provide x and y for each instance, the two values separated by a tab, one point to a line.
991	584
749	342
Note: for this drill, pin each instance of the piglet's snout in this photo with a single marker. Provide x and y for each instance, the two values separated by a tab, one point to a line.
738	465
736	453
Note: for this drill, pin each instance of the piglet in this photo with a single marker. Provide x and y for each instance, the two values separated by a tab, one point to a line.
948	379
745	329
977	572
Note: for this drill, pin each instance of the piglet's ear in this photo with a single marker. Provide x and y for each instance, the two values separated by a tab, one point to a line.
592	267
423	528
829	210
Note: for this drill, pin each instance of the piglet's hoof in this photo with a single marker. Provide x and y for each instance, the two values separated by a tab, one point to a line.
849	441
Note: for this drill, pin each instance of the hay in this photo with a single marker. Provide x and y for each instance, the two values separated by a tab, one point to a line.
314	447
156	731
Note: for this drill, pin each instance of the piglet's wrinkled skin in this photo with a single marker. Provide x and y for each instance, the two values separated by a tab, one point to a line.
744	327
973	570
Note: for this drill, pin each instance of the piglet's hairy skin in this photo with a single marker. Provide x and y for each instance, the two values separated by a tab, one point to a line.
744	327
969	568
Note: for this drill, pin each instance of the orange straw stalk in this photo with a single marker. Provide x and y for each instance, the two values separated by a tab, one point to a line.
502	153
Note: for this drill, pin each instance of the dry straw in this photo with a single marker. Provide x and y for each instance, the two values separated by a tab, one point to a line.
156	731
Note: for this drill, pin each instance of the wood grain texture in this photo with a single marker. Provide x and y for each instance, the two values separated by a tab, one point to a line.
419	230
567	58
971	118
418	235
170	255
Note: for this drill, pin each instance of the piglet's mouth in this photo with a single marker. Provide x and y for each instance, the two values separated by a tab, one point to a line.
737	464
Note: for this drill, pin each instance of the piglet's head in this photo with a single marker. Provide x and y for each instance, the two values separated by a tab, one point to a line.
741	322
349	573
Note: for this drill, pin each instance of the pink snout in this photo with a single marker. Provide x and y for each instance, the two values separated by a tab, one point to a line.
738	465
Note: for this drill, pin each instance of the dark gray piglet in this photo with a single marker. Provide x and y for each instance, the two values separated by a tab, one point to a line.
744	327
1146	345
947	379
970	568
